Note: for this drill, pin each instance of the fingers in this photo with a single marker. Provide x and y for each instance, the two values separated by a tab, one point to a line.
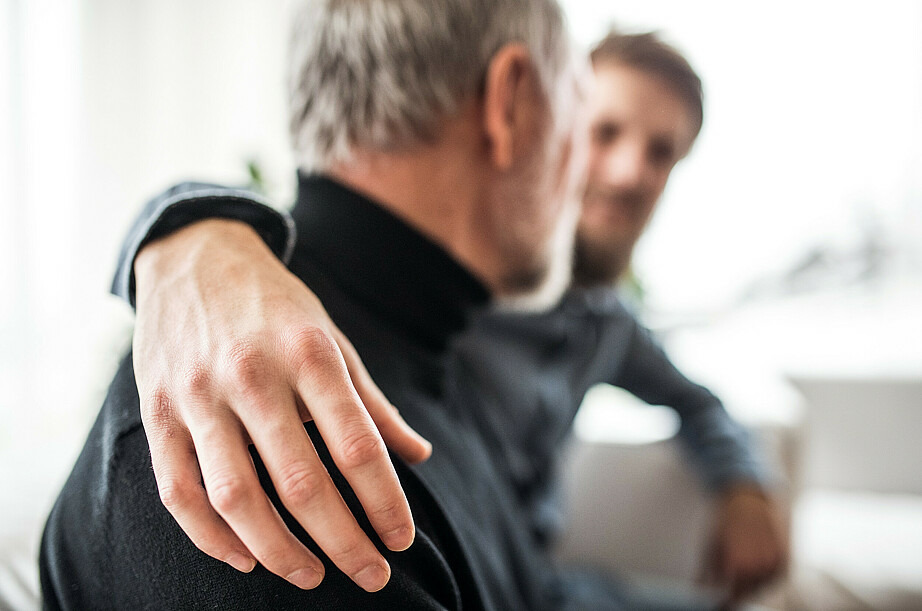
179	483
397	434
232	518
352	438
234	491
306	489
308	492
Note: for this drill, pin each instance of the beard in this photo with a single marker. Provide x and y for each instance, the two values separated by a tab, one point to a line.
612	223
539	287
600	262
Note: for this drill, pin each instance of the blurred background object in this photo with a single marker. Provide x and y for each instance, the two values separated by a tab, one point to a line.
783	269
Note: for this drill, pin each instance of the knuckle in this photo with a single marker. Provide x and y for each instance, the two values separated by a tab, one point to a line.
360	449
279	560
310	344
227	494
246	364
349	554
390	512
301	486
158	407
196	379
159	415
174	494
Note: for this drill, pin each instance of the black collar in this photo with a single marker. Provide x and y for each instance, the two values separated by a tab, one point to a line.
383	262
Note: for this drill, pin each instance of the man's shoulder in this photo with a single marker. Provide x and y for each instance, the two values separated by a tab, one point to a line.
111	506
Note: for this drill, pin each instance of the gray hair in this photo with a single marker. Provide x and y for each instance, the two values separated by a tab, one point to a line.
382	74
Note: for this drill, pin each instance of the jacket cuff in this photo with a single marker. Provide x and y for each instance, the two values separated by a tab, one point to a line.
187	203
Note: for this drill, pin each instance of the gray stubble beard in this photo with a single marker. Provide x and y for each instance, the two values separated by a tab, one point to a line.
540	288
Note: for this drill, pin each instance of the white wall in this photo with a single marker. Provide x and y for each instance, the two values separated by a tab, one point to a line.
39	179
102	104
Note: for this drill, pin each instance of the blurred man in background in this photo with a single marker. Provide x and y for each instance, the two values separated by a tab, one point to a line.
645	114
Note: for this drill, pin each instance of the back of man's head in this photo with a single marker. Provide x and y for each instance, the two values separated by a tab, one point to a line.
381	75
648	53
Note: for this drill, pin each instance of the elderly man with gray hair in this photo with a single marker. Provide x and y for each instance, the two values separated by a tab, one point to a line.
435	139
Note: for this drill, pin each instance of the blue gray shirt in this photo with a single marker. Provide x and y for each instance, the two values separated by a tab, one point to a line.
535	370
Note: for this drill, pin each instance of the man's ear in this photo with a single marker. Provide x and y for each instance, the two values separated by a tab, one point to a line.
509	102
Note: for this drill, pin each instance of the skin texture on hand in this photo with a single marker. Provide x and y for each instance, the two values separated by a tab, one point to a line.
230	348
749	547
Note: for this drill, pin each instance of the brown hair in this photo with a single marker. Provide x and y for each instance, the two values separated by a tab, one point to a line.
648	53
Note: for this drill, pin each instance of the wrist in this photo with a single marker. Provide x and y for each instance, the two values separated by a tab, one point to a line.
743	490
177	251
185	240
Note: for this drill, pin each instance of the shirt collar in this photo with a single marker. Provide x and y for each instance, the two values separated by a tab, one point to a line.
383	262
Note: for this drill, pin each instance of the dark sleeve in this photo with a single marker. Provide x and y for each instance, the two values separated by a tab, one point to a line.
722	449
188	202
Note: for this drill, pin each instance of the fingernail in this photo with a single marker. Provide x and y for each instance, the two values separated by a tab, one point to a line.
373	577
242	563
398	539
306	579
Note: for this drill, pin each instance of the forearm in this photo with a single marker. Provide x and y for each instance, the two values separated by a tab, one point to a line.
722	449
748	546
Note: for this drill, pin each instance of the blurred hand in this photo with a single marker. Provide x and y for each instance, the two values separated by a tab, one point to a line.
230	348
749	548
